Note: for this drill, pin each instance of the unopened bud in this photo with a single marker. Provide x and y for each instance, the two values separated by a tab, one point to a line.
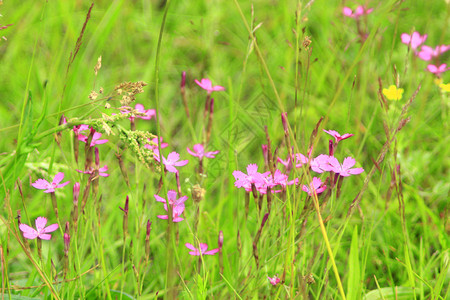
285	123
220	242
183	80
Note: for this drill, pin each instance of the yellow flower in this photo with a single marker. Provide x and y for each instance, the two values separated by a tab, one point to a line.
393	93
445	87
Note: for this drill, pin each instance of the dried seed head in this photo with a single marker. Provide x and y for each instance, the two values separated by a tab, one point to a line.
198	193
306	42
93	95
98	65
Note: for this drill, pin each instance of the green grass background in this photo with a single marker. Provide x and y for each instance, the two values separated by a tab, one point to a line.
209	39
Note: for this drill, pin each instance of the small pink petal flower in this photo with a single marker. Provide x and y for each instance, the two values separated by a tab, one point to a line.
274	281
102	171
155	142
149	113
437	70
321	164
427	53
316	185
337	136
252	177
207	85
414	40
41	232
43	184
95	139
346	168
199	151
172	161
176	204
359	11
202	250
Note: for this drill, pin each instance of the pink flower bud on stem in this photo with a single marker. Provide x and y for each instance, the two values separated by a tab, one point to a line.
256	239
76	192
183	93
239	243
269	199
147	242
86	193
269	152
66	249
177	176
220	244
55	205
125	219
265	155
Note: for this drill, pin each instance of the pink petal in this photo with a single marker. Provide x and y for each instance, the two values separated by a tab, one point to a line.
192	152
28	232
347	11
211	252
181	163
40	223
190	246
356	171
173	156
348	163
62	184
44	236
406	38
171	169
211	154
50	228
163	217
58	177
41	184
198	148
159	199
252	169
172	196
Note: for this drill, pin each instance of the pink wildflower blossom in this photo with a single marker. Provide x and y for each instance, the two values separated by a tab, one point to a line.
300	160
437	70
278	179
43	184
321	164
201	250
337	136
199	151
207	85
176	204
252	177
359	11
427	53
101	171
95	138
316	185
177	211
346	168
274	281
414	40
172	161
149	113
79	128
41	232
155	142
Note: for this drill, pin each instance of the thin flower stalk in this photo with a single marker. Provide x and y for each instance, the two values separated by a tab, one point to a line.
183	94
256	239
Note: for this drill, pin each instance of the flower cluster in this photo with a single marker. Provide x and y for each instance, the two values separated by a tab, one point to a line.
177	206
426	53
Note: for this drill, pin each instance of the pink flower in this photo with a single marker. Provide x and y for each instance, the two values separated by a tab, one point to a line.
344	169
275	280
207	85
300	159
199	152
41	232
321	164
43	184
359	11
278	179
437	70
427	53
149	113
177	211
316	185
172	197
202	250
414	40
337	136
252	177
79	128
176	204
172	161
95	138
155	142
101	171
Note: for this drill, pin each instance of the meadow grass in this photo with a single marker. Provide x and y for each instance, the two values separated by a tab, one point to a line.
382	234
